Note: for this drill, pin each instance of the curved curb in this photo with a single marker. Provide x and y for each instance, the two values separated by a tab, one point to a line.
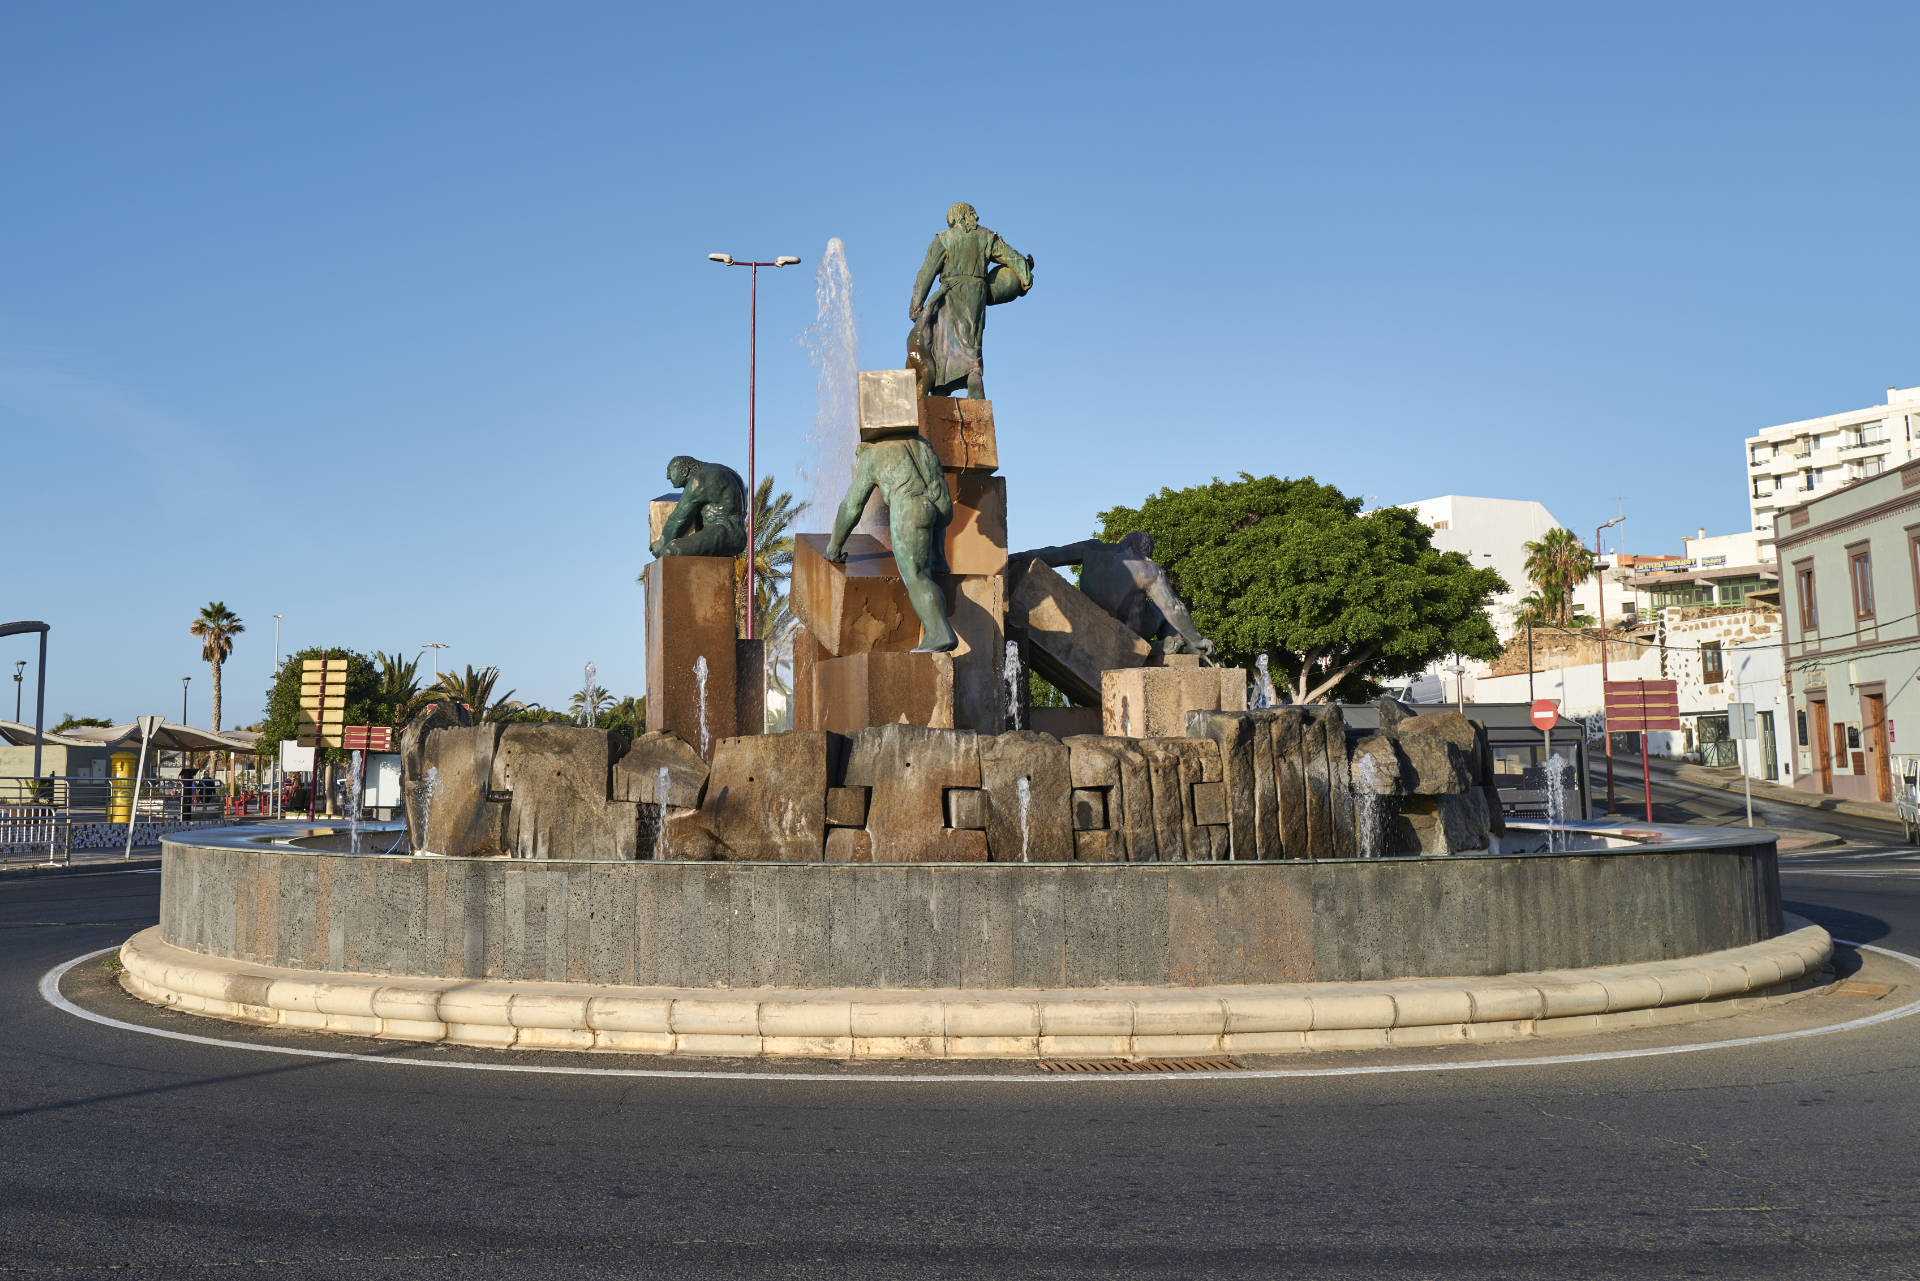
1008	1024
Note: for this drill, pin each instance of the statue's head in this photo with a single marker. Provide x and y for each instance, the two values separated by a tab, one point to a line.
680	469
961	215
1139	543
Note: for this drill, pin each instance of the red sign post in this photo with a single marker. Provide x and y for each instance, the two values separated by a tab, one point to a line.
1642	707
1545	713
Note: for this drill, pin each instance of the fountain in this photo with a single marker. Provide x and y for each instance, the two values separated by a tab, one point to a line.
1016	696
354	785
1554	770
700	680
1260	697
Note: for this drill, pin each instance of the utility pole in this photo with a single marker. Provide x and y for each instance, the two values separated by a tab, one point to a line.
436	647
1600	574
276	644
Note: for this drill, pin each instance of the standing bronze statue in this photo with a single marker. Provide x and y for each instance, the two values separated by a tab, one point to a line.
976	270
711	517
907	473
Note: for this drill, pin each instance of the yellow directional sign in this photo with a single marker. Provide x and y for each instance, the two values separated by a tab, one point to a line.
322	713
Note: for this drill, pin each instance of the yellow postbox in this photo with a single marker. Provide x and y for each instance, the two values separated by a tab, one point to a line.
120	767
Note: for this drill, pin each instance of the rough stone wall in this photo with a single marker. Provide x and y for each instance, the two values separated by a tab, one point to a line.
1291	782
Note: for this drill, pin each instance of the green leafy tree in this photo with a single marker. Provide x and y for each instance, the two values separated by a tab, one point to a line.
400	696
363	695
216	627
628	716
70	721
474	688
1557	564
587	704
1337	600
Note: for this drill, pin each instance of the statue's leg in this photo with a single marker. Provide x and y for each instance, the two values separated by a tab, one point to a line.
714	540
976	380
913	532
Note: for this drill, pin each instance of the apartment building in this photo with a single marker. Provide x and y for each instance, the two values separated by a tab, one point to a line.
1797	462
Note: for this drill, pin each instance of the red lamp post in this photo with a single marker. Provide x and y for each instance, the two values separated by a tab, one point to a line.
753	344
1600	586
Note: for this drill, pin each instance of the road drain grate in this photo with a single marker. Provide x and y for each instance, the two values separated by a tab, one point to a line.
1862	988
1101	1066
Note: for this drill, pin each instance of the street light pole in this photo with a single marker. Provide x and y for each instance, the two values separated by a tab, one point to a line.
1600	586
19	683
753	360
183	698
276	644
436	647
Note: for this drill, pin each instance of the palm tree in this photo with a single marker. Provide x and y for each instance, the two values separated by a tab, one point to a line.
216	627
474	689
628	716
773	518
586	704
399	695
1557	564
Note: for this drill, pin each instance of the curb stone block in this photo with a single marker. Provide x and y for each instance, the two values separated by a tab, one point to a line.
1496	1001
1347	1006
710	1018
1248	1013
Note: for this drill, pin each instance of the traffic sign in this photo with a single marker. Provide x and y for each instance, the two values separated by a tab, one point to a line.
1546	714
321	717
1640	707
367	738
1740	721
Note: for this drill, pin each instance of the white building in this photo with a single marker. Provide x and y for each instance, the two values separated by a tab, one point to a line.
1796	462
1493	533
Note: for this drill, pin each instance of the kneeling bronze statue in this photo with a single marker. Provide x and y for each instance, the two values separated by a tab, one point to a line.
710	519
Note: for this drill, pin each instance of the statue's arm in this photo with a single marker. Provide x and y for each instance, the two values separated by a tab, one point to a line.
851	506
1071	554
679	518
1005	254
922	283
1175	611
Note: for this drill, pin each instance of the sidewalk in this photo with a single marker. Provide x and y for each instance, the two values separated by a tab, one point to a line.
21	866
1727	779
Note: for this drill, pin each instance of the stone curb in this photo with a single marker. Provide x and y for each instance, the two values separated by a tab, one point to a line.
1127	1023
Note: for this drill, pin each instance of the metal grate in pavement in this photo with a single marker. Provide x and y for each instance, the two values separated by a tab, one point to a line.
1099	1066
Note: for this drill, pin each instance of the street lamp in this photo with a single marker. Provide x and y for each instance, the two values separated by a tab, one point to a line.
276	644
19	677
183	698
436	647
753	343
1600	579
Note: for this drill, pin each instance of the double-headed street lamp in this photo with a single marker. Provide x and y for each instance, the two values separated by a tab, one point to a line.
1600	587
753	342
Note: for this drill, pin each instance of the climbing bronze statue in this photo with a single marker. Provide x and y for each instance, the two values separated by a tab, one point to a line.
907	473
711	516
976	269
1124	579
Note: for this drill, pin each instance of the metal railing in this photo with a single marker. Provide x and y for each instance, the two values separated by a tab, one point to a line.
93	799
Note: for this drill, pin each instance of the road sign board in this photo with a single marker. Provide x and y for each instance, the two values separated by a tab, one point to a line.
1642	706
1740	721
1546	714
322	714
367	738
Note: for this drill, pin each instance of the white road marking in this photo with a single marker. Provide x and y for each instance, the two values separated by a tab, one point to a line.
50	992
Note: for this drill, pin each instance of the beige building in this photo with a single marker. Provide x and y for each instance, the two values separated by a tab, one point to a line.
1797	462
1850	597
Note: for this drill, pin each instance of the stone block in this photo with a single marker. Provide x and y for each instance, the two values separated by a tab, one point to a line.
1174	660
1070	640
1153	702
1089	809
961	432
889	403
766	802
750	686
1441	753
976	537
413	761
1030	823
1118	766
881	688
455	775
657	512
691	648
856	606
557	777
977	610
1175	834
846	807
1442	824
1236	735
1376	766
1098	847
1210	804
1288	730
636	773
1064	722
967	808
908	769
848	845
807	653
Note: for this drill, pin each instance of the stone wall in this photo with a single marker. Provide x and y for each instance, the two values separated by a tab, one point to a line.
1291	783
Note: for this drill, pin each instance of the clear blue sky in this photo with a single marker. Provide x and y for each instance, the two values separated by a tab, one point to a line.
387	317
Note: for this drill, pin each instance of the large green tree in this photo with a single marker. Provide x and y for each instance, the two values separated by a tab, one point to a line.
1292	569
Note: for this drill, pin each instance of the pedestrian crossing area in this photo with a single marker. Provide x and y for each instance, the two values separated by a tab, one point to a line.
1855	861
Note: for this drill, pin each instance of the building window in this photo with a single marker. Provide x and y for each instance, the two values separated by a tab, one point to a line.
1874	466
1860	570
1441	524
1761	454
1803	592
1711	669
1762	486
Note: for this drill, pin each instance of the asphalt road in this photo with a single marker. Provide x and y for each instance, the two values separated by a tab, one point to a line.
127	1155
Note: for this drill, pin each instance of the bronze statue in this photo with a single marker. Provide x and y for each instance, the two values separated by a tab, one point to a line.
976	269
1124	579
907	473
710	518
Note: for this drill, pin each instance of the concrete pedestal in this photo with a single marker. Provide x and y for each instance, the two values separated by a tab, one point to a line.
691	649
881	688
1153	702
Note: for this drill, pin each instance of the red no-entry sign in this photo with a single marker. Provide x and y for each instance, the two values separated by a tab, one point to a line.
1545	715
